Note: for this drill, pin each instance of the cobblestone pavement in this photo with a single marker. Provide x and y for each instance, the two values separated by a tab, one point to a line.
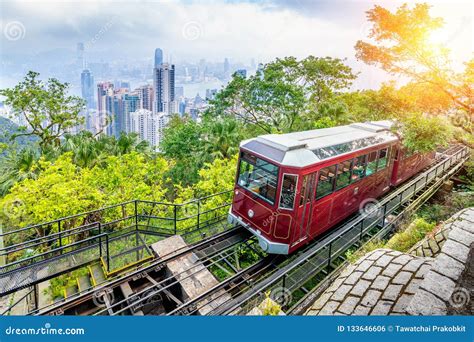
387	282
382	282
436	291
431	246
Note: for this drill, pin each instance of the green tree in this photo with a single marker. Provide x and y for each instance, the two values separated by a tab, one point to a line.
182	146
46	108
370	105
286	95
89	150
221	138
423	134
130	176
17	166
402	46
60	189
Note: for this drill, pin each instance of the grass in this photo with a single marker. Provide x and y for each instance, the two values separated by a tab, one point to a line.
401	241
425	221
406	239
353	255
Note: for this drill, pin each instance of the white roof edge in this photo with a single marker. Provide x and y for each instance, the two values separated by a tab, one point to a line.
374	126
290	144
298	147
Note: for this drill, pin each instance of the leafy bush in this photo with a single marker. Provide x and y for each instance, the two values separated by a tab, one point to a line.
423	134
269	307
406	239
59	284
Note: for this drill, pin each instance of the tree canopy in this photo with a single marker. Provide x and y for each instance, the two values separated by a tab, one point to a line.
46	109
285	95
400	43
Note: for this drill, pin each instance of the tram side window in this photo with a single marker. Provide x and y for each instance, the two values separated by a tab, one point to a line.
325	181
383	158
288	190
343	174
371	164
358	170
307	188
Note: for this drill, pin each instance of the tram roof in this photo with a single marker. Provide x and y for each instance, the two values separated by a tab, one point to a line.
309	147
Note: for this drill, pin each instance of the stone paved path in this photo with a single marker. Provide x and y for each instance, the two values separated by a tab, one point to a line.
387	282
436	291
380	283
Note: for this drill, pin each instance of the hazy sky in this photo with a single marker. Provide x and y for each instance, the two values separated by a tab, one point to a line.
190	30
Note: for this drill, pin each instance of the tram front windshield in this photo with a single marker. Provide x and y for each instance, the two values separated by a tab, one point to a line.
258	176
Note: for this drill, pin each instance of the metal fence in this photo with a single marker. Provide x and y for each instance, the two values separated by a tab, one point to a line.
118	235
379	222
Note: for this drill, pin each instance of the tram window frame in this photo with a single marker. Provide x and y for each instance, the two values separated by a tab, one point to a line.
252	161
310	179
333	181
364	166
387	160
348	173
369	163
294	191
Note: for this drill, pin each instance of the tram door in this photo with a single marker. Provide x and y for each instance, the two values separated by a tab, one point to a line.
305	212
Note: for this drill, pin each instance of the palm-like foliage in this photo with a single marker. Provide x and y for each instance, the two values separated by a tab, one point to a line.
89	150
222	138
17	166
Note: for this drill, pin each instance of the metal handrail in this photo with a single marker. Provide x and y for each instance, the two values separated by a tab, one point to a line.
329	240
50	237
3	313
65	218
48	252
7	250
111	207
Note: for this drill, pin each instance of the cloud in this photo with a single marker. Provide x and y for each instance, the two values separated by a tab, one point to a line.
240	30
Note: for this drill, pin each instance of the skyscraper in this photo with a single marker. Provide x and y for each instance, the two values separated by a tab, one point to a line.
80	55
101	121
158	57
179	92
87	88
164	89
145	93
130	103
149	125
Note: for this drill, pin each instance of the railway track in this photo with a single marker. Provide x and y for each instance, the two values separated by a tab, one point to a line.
282	276
159	288
295	285
296	277
207	247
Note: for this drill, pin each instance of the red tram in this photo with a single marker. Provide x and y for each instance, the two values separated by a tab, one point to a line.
292	187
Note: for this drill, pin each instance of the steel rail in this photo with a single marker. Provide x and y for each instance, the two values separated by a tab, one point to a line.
143	268
265	262
160	286
459	156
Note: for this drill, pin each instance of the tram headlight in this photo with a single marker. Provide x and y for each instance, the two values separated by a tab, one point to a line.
250	213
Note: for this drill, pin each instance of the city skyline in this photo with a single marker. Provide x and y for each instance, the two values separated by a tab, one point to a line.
187	32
